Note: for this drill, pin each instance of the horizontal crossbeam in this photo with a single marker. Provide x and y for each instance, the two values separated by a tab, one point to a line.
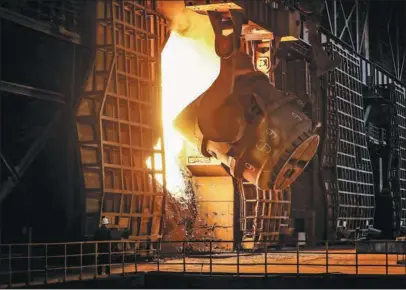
28	91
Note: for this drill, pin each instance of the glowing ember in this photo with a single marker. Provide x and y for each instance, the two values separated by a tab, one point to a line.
189	67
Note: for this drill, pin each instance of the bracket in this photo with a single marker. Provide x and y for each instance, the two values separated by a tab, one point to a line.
226	45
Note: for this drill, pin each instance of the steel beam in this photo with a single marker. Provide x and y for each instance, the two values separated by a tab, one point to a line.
347	21
7	186
27	91
354	23
9	167
37	25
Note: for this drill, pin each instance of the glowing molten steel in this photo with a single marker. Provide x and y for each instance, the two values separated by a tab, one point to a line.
189	67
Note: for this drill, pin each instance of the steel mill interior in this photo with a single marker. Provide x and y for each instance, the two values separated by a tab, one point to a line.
202	120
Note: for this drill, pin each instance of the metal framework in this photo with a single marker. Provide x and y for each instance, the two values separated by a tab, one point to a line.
376	76
389	42
58	18
348	21
399	92
119	123
349	186
263	213
383	144
43	16
117	132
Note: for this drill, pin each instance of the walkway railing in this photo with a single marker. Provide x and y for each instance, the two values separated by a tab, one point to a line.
38	264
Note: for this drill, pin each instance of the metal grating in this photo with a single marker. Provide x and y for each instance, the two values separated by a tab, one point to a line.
119	123
401	120
264	212
352	191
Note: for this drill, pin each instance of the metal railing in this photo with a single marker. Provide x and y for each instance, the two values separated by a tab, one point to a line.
38	264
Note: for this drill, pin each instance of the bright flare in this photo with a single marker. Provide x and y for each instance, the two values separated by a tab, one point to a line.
189	67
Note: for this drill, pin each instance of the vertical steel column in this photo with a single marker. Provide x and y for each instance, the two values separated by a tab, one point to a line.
158	255
29	263
366	34
122	257
328	157
266	260
184	256
211	256
160	25
386	258
327	257
297	259
69	109
95	259
10	273
46	265
135	258
103	101
238	260
335	17
357	25
81	261
65	266
1	124
356	260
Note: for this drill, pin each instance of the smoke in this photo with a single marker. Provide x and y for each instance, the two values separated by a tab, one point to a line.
187	22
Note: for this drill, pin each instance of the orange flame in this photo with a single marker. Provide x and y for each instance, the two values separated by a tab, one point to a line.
189	65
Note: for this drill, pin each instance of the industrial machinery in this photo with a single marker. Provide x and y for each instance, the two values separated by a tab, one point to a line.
241	100
228	120
260	133
286	139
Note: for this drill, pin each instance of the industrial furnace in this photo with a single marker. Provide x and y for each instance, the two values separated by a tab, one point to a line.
283	123
261	135
120	134
241	105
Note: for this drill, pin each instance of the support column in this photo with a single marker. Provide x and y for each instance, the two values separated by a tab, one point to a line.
366	40
70	149
1	131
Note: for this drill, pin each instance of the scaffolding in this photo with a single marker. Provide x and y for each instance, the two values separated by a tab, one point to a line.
119	122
